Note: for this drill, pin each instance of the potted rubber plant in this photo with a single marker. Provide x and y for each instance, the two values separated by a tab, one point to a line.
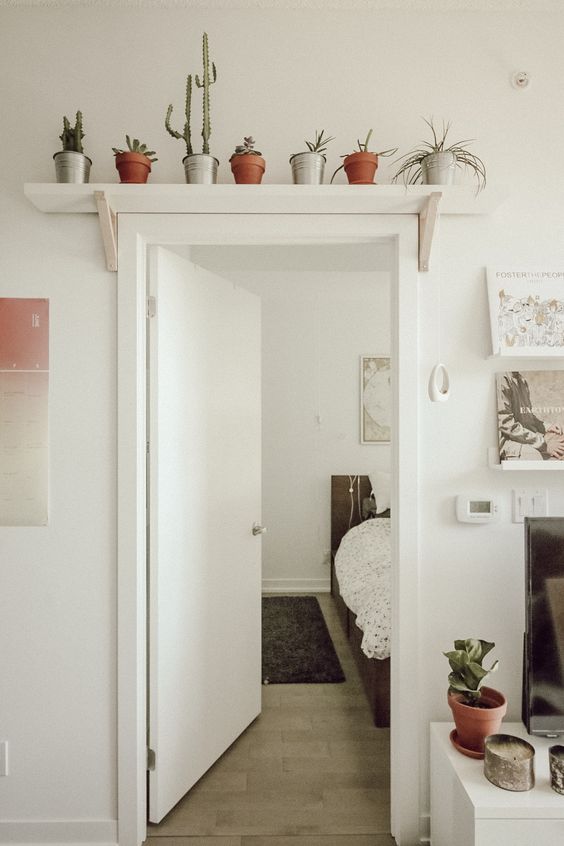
477	710
308	167
362	164
200	168
134	164
436	161
71	164
247	164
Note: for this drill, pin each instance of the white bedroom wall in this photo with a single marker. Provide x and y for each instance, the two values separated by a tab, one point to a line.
315	328
345	72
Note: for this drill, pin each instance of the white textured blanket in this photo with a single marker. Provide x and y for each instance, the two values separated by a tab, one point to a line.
362	565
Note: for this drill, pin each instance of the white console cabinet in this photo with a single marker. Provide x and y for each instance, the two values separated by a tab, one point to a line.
467	810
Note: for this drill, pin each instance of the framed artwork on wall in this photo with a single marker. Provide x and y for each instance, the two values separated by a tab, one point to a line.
24	400
526	312
530	417
375	399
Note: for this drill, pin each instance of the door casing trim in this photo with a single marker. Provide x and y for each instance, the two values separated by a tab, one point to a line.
136	234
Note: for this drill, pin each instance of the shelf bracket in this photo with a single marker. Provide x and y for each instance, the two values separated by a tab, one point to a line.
108	227
427	222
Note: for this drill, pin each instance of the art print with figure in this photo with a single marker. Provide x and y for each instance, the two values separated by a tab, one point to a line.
527	311
375	399
530	413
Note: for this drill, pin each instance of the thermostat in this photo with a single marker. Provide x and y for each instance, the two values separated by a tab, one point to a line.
476	509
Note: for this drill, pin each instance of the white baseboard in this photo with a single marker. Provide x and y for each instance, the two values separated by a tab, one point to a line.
296	585
60	832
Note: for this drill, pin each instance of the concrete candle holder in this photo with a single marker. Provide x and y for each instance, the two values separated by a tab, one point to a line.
509	762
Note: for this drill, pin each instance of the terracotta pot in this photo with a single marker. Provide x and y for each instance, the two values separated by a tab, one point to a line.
133	167
360	168
474	724
247	169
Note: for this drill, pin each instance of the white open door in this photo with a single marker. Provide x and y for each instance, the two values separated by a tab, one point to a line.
204	496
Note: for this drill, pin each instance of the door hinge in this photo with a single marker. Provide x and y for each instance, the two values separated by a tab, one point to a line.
151	759
151	306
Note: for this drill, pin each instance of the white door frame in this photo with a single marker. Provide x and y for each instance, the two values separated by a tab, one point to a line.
136	233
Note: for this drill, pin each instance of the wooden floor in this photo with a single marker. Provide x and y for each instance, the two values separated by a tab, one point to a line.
310	771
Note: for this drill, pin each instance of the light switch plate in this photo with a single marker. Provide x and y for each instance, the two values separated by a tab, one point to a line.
529	502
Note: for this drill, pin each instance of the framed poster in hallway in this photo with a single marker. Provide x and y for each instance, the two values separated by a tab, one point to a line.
375	399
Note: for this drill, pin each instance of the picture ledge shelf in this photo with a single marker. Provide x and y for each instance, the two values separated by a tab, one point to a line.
111	199
539	466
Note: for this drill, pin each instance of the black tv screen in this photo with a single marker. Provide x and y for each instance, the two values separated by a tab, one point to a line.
543	683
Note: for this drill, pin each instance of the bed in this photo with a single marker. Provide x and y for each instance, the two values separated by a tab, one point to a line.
360	555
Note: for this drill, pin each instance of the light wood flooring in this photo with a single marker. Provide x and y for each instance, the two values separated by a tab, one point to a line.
312	770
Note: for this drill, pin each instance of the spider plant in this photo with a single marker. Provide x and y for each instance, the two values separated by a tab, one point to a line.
412	169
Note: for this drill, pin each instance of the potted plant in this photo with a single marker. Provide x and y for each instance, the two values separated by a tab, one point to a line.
134	164
200	168
71	165
308	167
435	162
361	165
477	711
247	164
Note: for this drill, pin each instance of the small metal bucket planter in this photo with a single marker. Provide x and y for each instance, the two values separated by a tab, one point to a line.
438	169
200	169
71	166
307	168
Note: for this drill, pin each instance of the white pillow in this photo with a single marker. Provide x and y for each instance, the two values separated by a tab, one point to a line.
380	482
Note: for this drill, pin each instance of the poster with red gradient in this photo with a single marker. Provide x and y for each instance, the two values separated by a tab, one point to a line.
24	401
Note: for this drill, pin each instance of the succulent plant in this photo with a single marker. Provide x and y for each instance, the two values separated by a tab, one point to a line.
135	146
247	148
72	136
208	78
185	136
205	84
411	167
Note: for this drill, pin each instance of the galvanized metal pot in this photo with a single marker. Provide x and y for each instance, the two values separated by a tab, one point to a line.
438	169
307	168
71	166
200	169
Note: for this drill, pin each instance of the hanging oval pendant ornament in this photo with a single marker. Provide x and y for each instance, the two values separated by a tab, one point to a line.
439	384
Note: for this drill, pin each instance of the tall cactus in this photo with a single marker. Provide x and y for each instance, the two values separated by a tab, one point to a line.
72	136
205	84
185	136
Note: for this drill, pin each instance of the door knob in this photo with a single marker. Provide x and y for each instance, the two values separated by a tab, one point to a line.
258	529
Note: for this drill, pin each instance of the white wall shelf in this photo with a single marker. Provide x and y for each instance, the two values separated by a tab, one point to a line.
529	352
538	466
110	200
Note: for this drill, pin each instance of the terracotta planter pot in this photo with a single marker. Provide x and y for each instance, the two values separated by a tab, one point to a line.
247	169
133	167
474	724
360	168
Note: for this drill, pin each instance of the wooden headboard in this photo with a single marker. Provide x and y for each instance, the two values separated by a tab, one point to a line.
341	520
